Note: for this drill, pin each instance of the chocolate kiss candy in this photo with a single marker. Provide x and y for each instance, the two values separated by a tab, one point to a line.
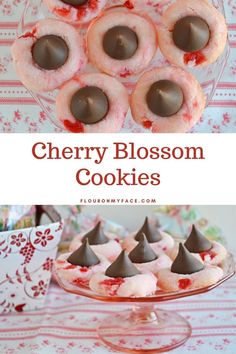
75	2
165	98
50	52
185	262
120	42
152	234
96	236
197	242
143	252
89	105
122	267
191	34
83	256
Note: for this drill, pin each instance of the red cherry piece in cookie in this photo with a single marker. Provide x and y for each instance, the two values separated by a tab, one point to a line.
184	283
207	253
84	269
197	57
111	282
76	127
62	11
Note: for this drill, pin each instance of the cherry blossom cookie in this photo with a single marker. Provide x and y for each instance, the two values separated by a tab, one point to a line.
160	241
49	55
192	33
76	11
123	279
210	251
121	43
146	260
78	267
92	103
100	243
187	272
167	100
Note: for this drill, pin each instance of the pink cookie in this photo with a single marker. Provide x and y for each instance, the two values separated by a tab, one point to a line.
109	250
188	273
113	91
214	256
65	37
122	278
140	285
121	43
187	108
169	281
199	55
78	12
159	247
78	275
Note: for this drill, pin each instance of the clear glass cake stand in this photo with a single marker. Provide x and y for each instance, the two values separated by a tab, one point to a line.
208	76
144	328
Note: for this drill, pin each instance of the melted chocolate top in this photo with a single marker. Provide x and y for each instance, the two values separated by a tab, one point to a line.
191	34
75	2
152	234
185	262
89	104
122	267
197	242
96	236
50	52
165	98
83	256
143	252
120	42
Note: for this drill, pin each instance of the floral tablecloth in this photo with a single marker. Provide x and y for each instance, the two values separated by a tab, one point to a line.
20	113
67	324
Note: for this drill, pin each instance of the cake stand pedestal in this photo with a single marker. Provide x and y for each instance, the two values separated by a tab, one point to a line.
145	328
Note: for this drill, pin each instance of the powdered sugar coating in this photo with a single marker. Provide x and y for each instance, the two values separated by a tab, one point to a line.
207	12
188	115
169	281
117	97
147	43
36	78
140	285
81	14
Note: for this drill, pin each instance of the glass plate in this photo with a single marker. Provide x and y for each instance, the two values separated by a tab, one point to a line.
208	76
145	328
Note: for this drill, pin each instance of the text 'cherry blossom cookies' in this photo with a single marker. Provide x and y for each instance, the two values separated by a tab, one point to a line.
208	251
188	273
92	103
146	260
78	267
192	33
159	240
49	55
76	11
100	242
167	100
121	43
123	279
